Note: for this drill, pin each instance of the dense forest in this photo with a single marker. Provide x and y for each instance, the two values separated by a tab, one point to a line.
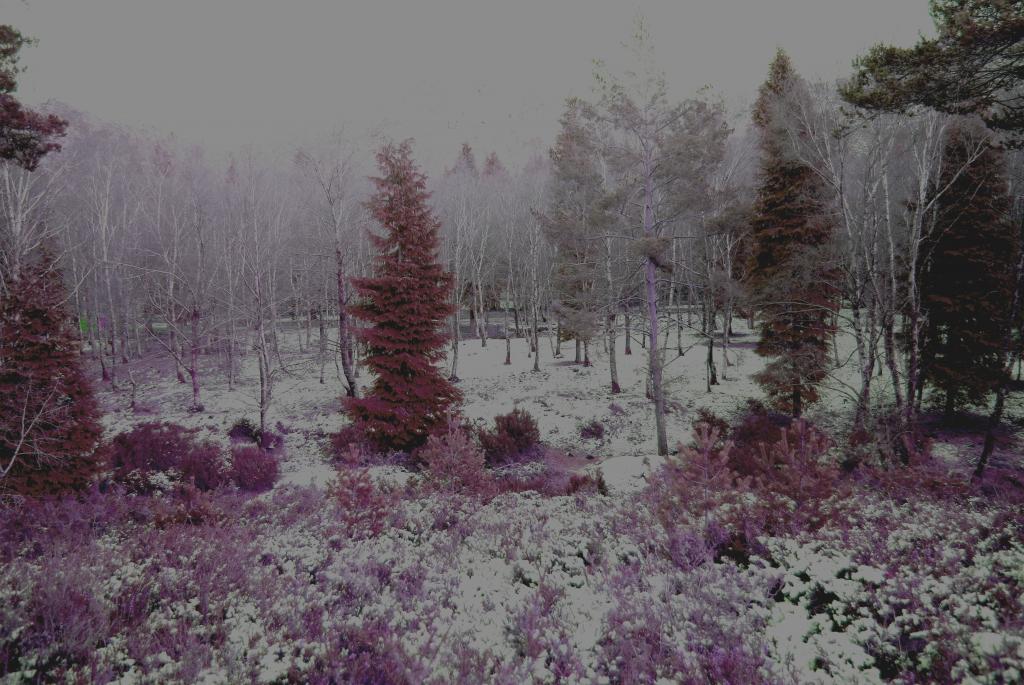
694	396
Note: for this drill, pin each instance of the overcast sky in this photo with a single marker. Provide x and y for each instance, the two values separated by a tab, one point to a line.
227	73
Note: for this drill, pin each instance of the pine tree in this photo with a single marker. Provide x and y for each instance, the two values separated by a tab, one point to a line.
967	278
406	301
26	136
789	273
576	217
49	424
974	65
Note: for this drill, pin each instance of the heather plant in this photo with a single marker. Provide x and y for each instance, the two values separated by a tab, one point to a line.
363	507
157	456
245	430
253	469
755	426
454	463
594	430
514	434
699	481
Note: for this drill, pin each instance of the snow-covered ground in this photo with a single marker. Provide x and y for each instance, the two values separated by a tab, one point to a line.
291	586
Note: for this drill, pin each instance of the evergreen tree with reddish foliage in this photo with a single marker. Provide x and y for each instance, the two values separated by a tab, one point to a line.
25	136
407	302
790	273
967	279
49	419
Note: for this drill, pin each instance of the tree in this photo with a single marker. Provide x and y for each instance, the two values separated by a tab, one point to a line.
647	150
974	66
332	175
577	216
25	136
790	273
406	301
968	277
49	425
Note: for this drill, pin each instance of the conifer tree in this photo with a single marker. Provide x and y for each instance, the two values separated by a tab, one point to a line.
967	276
49	424
576	216
406	303
790	277
26	136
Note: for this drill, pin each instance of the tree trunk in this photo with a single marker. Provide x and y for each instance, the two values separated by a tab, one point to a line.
651	284
344	336
629	349
613	366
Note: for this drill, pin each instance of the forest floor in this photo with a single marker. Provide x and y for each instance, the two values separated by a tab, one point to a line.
563	396
397	585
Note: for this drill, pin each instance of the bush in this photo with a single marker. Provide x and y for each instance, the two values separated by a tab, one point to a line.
514	434
756	426
711	420
364	508
253	469
454	463
247	431
592	431
156	456
585	483
350	445
244	429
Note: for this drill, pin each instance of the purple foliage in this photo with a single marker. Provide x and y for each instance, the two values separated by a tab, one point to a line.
153	449
592	431
253	469
514	434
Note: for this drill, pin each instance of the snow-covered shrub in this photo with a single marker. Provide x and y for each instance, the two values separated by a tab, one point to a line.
514	434
253	469
920	591
158	456
592	431
351	446
885	442
244	430
587	484
454	463
712	420
363	507
756	426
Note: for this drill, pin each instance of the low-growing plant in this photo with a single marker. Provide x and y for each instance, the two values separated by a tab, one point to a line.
157	456
594	430
514	434
244	430
454	463
363	507
350	440
253	469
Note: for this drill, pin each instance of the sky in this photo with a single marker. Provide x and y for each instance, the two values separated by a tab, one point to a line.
231	73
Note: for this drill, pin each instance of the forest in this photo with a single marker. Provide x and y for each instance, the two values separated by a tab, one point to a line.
691	396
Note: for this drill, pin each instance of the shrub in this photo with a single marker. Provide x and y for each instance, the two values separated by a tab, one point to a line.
587	484
244	429
158	456
711	420
756	426
351	443
592	431
514	434
454	463
253	469
364	508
